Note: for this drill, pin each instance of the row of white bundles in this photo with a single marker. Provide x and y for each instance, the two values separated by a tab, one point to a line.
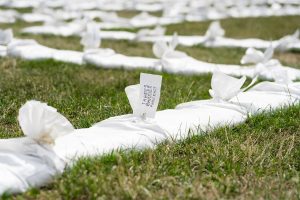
169	60
51	143
31	50
187	6
214	36
146	5
172	12
261	63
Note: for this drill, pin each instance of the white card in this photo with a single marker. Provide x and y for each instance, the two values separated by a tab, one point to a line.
150	86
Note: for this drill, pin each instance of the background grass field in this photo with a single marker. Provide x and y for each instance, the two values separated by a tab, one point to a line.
258	159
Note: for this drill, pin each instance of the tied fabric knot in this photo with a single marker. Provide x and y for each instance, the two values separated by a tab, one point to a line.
42	123
157	31
264	64
6	36
213	32
166	50
91	39
254	56
286	41
224	87
133	92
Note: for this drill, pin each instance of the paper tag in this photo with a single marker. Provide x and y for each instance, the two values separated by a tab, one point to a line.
150	86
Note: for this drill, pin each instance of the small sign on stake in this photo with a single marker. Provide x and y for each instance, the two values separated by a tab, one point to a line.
150	86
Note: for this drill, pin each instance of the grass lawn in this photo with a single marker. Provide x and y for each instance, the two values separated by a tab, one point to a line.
258	159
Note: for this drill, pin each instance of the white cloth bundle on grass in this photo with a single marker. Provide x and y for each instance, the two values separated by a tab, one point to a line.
264	96
170	60
180	10
110	59
6	37
58	28
177	62
29	50
30	161
51	143
8	16
107	58
214	37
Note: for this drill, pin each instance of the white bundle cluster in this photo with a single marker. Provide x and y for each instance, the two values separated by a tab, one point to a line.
51	142
174	11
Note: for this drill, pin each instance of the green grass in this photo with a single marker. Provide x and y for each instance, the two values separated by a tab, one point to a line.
258	159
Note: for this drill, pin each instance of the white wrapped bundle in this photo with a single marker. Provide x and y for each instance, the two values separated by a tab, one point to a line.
214	32
287	42
163	49
144	19
29	50
157	31
75	57
8	16
57	27
90	39
43	123
30	161
6	36
253	56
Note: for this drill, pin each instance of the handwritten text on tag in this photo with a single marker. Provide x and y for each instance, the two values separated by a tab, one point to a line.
150	86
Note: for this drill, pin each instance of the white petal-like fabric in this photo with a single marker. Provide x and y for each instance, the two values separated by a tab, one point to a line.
157	31
159	48
285	42
252	56
6	36
91	38
214	31
27	165
133	93
225	87
43	123
30	161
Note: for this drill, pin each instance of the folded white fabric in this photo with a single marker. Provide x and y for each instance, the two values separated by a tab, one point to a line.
214	37
30	161
58	28
263	97
173	11
68	56
6	37
177	62
8	16
106	58
170	60
29	50
270	95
